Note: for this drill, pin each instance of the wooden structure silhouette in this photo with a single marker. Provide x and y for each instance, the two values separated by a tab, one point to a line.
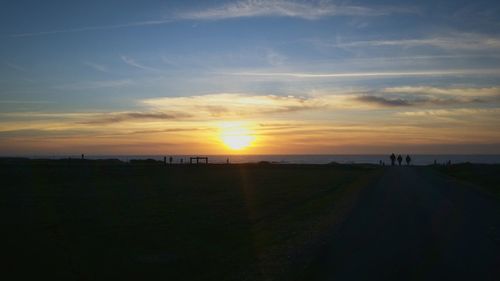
197	159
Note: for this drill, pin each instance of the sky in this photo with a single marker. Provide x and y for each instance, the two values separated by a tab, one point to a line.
249	77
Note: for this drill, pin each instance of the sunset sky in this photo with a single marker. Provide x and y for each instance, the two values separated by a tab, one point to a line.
249	77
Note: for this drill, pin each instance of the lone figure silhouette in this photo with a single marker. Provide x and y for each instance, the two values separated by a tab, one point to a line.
393	159
400	159
408	160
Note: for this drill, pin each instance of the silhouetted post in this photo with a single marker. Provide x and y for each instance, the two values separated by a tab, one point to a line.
165	160
435	162
83	156
227	161
182	160
197	158
170	159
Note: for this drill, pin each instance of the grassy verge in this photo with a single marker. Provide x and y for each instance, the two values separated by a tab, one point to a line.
96	221
487	176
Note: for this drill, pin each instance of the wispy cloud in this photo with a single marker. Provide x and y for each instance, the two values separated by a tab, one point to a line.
456	112
371	74
446	91
234	104
25	102
428	96
132	62
382	101
274	58
453	41
96	66
133	116
306	123
309	10
47	115
15	66
418	100
247	105
96	84
93	28
240	105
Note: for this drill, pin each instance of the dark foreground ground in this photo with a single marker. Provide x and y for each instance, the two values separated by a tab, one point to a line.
74	220
95	220
415	224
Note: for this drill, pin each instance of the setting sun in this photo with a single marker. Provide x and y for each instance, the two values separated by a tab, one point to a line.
237	142
236	136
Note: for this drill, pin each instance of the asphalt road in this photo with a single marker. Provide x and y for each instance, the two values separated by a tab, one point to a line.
415	224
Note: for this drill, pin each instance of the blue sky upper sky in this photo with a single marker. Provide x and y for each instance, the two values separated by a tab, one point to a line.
420	71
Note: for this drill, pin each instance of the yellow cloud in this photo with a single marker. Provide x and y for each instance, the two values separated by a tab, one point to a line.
233	104
321	122
456	92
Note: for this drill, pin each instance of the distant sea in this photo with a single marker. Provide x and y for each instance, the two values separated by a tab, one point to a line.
419	159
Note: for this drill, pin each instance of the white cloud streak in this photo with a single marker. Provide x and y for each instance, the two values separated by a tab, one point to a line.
274	58
25	102
15	67
245	9
463	91
457	112
96	84
96	66
93	28
460	72
454	41
281	8
132	62
251	105
233	104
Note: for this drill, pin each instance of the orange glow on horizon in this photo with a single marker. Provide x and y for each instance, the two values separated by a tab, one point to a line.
236	135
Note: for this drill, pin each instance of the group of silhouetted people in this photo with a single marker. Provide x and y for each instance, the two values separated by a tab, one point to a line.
400	159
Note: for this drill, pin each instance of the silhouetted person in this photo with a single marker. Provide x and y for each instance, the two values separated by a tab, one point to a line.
83	156
182	160
400	159
393	159
164	160
408	160
227	161
435	162
170	159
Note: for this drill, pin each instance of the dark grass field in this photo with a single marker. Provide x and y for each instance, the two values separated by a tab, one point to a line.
105	220
486	176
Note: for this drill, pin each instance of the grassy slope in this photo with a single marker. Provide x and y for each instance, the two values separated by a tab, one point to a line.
138	222
485	175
